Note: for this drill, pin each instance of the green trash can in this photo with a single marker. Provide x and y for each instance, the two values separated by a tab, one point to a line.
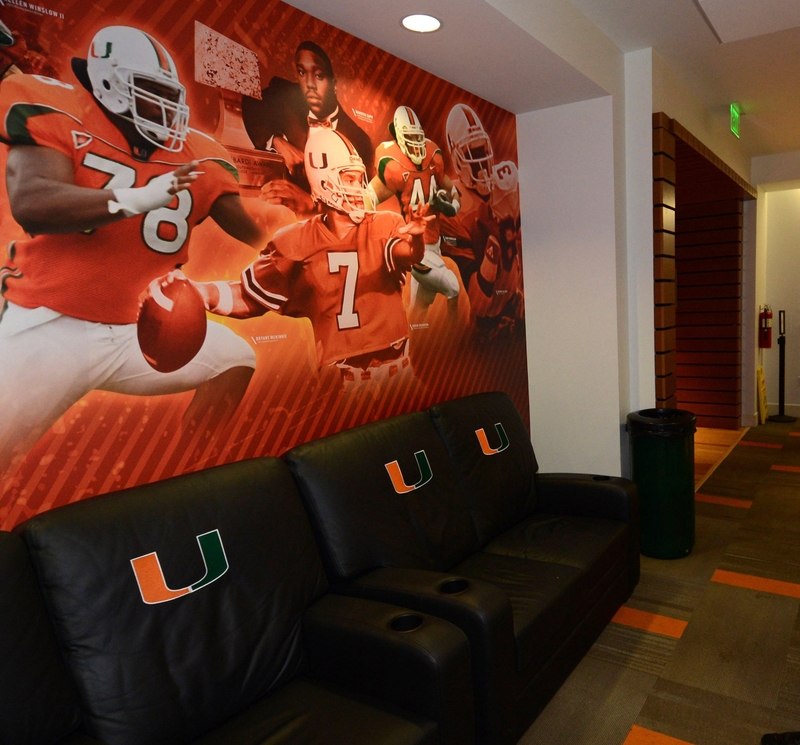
662	463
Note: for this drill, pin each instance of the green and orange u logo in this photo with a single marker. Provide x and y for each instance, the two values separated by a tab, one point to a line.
484	441
151	581
396	475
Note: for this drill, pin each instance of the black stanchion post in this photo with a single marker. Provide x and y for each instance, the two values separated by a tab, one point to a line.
781	416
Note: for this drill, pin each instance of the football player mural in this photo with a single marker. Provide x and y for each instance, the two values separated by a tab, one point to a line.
411	168
343	268
108	180
340	278
483	238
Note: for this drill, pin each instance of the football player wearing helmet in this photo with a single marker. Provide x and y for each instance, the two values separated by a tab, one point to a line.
108	180
342	268
483	239
411	167
288	111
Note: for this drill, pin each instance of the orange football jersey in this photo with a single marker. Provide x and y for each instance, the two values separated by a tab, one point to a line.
413	184
98	275
350	289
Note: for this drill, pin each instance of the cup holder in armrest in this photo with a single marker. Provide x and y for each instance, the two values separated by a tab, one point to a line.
601	478
406	622
454	586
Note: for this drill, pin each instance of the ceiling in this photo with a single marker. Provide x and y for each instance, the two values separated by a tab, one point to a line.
744	51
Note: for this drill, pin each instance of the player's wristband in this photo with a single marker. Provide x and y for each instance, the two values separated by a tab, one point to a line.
144	198
224	305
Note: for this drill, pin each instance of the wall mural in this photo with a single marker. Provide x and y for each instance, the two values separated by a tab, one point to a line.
231	228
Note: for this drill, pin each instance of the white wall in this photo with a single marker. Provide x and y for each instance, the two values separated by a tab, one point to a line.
782	259
566	159
639	197
711	127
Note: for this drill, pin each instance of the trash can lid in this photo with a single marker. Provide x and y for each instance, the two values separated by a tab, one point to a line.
662	422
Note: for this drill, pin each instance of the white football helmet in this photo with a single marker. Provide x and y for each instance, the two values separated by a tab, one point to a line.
470	148
409	134
336	173
128	69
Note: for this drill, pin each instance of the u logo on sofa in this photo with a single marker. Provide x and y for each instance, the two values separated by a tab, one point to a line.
484	441
396	475
151	581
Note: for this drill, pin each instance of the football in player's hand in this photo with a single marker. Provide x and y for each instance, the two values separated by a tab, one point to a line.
172	323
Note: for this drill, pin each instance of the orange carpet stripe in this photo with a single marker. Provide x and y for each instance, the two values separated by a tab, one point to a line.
761	584
754	444
652	622
789	469
728	501
795	434
641	736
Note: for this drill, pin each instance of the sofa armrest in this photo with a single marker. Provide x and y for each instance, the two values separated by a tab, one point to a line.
411	660
586	495
480	609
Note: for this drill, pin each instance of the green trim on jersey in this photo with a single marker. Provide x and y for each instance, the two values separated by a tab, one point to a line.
17	121
382	168
228	166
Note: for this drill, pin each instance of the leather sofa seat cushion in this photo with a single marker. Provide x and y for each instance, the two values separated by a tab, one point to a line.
546	600
308	712
384	495
492	453
593	545
41	705
233	546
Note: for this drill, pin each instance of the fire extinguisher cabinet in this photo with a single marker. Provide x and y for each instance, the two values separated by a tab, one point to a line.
662	461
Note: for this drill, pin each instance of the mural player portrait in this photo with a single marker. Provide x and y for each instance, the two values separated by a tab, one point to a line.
343	269
483	238
411	167
108	181
281	121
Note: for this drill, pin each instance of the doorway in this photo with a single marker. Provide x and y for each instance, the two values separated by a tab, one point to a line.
697	219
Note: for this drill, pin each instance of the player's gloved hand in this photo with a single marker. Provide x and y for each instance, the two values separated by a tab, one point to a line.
158	193
446	204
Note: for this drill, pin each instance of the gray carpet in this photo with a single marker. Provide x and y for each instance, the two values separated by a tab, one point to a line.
734	674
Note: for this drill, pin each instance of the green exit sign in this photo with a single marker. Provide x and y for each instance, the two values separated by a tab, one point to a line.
736	114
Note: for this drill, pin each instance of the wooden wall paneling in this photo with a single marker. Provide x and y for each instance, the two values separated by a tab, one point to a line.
697	272
664	269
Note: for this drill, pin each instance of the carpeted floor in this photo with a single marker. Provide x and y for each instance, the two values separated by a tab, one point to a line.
707	650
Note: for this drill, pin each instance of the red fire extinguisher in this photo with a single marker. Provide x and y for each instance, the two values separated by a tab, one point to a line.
765	328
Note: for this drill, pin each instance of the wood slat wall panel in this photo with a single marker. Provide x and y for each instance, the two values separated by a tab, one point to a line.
721	372
698	292
710	278
709	250
664	268
729	398
664	244
707	332
711	384
664	316
697	222
664	219
710	305
666	363
710	345
726	235
710	222
722	207
663	194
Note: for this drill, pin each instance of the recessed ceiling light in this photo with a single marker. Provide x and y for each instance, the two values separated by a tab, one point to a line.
422	23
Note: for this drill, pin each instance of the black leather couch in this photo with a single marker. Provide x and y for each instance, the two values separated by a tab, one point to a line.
195	610
443	511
